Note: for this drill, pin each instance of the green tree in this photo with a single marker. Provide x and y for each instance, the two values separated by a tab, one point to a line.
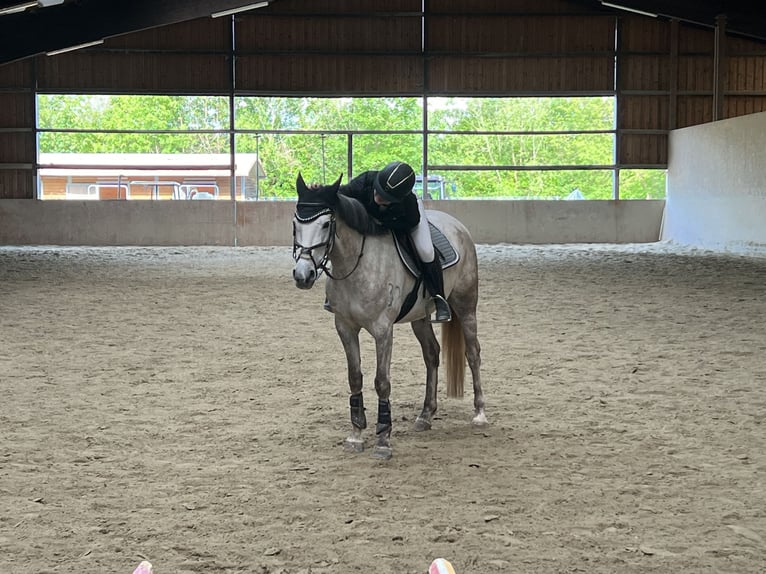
526	115
322	156
273	128
129	116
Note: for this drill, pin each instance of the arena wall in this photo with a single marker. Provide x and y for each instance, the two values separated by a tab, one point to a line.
716	185
264	223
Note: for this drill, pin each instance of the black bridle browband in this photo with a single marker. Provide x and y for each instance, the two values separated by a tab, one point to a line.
300	250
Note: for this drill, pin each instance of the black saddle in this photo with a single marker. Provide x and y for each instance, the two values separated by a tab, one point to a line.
444	250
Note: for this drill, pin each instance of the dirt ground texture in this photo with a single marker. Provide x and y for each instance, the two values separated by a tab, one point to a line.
188	406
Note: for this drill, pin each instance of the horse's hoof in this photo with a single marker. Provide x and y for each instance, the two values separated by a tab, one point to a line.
480	420
353	445
382	452
422	424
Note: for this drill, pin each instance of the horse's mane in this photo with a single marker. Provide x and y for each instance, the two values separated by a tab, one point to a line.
316	201
354	214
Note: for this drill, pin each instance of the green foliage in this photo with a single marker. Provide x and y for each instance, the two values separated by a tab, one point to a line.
133	114
323	155
317	136
526	115
642	184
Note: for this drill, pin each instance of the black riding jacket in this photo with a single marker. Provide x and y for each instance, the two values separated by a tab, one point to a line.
402	216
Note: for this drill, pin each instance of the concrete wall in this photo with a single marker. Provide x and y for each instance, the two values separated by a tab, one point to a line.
716	196
32	222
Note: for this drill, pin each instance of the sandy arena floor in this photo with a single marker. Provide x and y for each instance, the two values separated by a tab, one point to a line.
188	406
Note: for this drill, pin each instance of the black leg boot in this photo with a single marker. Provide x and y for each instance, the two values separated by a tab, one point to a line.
432	275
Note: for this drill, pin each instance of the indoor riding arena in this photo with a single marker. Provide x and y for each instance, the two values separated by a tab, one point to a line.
170	396
189	406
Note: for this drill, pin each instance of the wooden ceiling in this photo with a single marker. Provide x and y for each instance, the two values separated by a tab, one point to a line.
41	29
744	17
48	25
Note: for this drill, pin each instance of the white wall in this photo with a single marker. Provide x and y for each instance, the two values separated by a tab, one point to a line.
33	222
716	196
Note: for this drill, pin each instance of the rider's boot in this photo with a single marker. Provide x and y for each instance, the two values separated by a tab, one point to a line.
434	280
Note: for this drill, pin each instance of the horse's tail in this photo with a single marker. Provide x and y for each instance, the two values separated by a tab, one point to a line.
453	349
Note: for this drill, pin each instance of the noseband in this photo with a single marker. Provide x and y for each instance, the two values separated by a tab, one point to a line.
307	251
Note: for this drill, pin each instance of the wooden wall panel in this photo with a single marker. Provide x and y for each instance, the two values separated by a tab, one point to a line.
742	105
695	73
507	55
645	72
693	110
17	184
643	112
204	34
554	34
740	45
647	65
17	110
696	40
151	73
325	34
643	150
17	136
321	54
745	80
520	76
330	75
645	35
746	74
509	7
568	53
17	147
191	57
17	75
320	7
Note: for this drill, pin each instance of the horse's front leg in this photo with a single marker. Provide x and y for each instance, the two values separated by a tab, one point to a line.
349	337
383	345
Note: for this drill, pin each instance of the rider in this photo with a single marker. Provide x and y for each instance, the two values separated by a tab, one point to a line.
388	198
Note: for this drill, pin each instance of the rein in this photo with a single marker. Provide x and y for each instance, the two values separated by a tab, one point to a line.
300	250
358	259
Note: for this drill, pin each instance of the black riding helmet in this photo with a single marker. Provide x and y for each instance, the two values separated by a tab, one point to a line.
394	181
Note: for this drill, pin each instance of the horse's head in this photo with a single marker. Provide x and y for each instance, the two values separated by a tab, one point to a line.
313	231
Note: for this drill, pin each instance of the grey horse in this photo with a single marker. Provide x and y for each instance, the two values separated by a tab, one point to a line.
366	288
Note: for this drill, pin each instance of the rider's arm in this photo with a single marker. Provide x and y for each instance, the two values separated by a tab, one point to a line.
359	187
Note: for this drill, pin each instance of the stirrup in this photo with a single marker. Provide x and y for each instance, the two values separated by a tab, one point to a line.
442	313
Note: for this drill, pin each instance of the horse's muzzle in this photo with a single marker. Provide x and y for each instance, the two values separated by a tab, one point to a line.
304	276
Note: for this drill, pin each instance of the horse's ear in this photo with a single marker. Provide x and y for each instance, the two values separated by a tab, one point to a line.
300	185
336	184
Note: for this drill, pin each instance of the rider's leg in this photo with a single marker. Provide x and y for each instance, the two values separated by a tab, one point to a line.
432	269
421	237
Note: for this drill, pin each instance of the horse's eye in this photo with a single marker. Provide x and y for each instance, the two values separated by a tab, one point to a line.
326	225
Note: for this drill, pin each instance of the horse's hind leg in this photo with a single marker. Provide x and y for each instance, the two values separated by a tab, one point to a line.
349	337
430	346
473	355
